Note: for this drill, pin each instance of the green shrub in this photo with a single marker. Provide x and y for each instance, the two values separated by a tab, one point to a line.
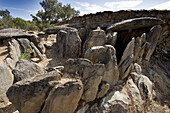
27	55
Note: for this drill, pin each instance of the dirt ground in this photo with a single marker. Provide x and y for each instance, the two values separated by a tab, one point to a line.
3	53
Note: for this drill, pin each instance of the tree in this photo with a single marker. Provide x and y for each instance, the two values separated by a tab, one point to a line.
6	20
53	11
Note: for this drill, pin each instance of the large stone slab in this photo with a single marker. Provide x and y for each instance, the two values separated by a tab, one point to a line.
29	94
64	98
90	74
68	44
12	32
26	69
105	55
6	80
135	23
56	29
97	38
127	58
152	40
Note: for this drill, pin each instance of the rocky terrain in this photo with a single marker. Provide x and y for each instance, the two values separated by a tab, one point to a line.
120	64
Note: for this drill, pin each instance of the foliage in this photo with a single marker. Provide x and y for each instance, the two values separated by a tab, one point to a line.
53	11
6	21
27	55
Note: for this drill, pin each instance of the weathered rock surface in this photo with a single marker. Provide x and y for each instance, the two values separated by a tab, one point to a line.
116	102
61	38
111	38
139	48
6	80
25	45
29	94
127	100
126	61
25	69
12	32
152	39
69	44
135	23
38	53
105	55
97	38
145	85
56	29
83	109
91	75
14	53
103	90
34	39
64	98
73	45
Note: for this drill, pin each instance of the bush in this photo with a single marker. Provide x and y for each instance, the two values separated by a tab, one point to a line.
27	55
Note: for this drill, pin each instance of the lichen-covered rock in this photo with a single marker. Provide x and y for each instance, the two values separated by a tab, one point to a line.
105	55
97	38
25	69
72	45
68	44
61	40
152	40
29	94
135	23
126	61
64	98
91	75
91	87
25	45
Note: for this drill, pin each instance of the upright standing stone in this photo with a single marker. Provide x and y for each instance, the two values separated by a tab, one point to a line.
68	44
64	98
97	38
73	45
61	38
6	80
105	55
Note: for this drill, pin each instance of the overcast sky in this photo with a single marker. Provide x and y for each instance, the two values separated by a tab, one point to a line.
23	8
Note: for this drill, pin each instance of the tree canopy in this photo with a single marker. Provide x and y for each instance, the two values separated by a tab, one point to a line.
53	11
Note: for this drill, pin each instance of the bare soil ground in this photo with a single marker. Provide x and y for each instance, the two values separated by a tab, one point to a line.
3	53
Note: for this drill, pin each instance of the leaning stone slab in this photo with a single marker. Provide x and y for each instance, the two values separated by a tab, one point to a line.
127	58
135	23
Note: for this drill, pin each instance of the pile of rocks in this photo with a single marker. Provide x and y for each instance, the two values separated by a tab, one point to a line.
101	73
